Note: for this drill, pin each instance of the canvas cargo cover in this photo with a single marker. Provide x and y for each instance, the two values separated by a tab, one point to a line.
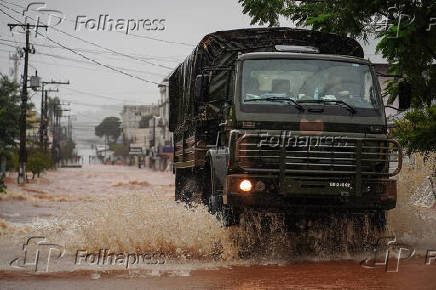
217	52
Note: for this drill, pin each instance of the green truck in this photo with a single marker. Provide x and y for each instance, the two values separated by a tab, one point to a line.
281	119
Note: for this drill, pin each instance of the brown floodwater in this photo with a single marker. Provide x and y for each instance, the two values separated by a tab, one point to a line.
128	210
322	275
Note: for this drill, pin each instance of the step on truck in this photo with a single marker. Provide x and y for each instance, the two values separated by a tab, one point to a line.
284	120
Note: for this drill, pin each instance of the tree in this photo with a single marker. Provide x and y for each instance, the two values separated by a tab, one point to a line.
12	162
417	130
110	128
67	150
38	162
9	121
120	150
9	115
408	43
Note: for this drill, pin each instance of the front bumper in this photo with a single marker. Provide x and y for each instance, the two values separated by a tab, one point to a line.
302	193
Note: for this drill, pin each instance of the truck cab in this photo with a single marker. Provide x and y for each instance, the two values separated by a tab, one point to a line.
310	132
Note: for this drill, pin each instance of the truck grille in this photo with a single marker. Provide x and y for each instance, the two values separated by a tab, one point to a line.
318	155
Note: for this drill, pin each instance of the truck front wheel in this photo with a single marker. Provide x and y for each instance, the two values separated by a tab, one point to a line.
227	214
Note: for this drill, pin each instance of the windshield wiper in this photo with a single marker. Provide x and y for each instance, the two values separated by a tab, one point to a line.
278	99
348	106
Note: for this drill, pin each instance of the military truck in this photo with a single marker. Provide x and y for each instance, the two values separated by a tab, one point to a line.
281	119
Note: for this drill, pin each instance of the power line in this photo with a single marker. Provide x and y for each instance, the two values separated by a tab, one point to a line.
87	62
10	45
5	51
130	34
90	68
93	69
95	44
14	4
92	105
84	62
165	59
113	51
75	60
92	94
158	39
86	57
98	62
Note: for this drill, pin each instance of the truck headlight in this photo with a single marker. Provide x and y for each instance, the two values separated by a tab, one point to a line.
245	185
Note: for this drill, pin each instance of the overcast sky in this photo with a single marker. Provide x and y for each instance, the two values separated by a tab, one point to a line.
185	22
92	86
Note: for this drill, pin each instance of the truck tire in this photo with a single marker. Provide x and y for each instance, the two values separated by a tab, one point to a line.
230	216
188	186
215	204
225	213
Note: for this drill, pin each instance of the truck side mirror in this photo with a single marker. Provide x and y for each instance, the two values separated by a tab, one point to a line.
201	88
404	95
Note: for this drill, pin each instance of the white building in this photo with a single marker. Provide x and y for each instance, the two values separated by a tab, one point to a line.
131	116
164	136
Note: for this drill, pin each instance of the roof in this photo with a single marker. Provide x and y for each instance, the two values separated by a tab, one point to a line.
272	55
250	38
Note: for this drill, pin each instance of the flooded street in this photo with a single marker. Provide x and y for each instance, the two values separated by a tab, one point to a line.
245	144
117	226
325	275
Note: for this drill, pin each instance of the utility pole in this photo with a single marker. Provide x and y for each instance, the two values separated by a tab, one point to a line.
23	152
70	128
43	121
56	150
43	133
46	119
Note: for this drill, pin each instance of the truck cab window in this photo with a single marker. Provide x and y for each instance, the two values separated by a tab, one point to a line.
302	80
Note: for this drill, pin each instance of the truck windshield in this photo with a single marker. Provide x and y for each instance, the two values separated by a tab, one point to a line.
308	82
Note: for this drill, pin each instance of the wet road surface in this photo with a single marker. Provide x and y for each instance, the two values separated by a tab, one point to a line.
130	210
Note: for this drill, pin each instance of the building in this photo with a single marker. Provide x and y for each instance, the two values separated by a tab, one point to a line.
163	136
131	117
161	149
33	121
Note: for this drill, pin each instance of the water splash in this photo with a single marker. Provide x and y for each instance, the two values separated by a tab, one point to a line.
410	222
148	220
143	223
